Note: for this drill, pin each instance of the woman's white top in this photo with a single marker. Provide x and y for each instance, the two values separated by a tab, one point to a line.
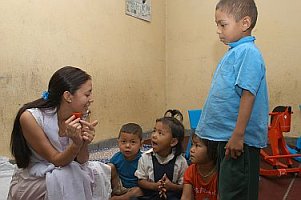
74	181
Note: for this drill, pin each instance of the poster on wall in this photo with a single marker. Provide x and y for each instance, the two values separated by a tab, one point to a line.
140	9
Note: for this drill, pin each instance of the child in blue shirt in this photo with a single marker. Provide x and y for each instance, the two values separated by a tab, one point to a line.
236	110
124	163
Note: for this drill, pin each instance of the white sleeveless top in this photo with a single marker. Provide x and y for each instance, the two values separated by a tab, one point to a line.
75	181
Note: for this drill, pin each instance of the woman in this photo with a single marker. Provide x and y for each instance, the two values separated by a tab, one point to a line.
50	144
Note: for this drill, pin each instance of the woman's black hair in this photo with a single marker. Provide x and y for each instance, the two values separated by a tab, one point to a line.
176	127
65	79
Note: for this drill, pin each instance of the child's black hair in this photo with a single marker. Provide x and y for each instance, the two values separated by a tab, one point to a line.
176	127
211	148
175	114
239	9
132	128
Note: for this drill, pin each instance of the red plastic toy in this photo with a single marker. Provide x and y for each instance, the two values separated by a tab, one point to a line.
77	114
280	159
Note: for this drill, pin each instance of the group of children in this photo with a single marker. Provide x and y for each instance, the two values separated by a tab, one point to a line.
225	150
162	172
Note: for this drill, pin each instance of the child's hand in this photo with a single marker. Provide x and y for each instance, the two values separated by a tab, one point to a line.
162	190
167	183
235	145
162	187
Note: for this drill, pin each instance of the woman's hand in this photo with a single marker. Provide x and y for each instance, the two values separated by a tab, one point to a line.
74	130
88	130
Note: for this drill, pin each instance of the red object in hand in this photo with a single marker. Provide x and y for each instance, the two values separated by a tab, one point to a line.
77	114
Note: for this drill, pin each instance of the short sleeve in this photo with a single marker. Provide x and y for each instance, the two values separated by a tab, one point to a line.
182	166
143	166
36	113
114	158
251	71
187	175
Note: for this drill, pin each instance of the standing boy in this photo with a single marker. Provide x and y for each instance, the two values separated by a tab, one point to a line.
236	110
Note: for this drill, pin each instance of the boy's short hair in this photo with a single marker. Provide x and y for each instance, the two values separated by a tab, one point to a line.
239	9
131	128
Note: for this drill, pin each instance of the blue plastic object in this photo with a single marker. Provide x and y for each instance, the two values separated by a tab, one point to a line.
297	150
194	117
294	151
298	145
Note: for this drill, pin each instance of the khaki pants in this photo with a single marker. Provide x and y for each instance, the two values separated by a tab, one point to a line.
24	187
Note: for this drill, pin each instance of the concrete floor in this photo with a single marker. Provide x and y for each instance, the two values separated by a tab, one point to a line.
285	187
276	188
280	188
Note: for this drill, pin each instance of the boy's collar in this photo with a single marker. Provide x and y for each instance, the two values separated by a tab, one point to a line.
242	40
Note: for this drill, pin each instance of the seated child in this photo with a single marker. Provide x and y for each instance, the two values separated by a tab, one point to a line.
161	169
124	163
200	178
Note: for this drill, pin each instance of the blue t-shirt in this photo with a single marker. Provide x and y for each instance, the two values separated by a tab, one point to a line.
126	169
241	68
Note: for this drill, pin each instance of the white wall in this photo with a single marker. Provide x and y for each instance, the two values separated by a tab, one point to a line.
139	69
124	55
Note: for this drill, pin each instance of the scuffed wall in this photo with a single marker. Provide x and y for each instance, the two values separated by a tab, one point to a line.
193	51
139	69
124	55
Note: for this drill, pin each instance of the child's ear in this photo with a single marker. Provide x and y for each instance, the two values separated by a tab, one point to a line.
174	142
246	23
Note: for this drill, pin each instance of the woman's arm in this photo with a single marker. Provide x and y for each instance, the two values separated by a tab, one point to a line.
83	154
37	139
